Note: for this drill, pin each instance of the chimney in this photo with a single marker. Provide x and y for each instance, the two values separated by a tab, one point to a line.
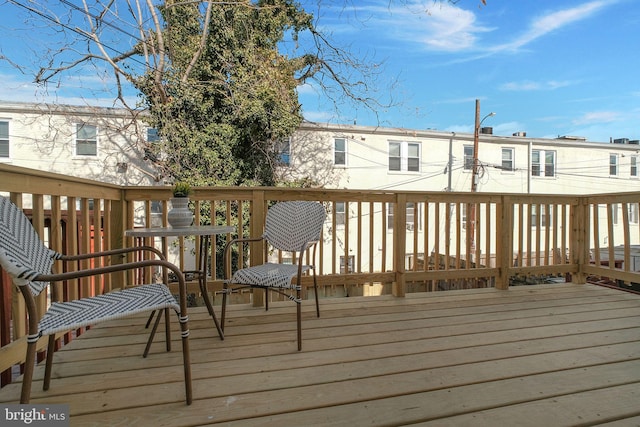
520	134
487	130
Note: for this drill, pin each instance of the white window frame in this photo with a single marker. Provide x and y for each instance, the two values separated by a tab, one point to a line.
633	212
78	127
340	208
404	156
511	161
411	213
545	217
351	265
342	152
542	164
5	140
614	164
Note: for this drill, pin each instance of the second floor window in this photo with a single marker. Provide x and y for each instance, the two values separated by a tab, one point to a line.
152	135
283	150
86	140
634	166
4	139
340	152
507	160
404	156
613	164
543	163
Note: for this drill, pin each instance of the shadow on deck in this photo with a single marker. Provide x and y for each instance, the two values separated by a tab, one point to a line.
553	355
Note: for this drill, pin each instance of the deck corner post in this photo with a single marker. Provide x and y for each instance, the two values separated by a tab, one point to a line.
400	245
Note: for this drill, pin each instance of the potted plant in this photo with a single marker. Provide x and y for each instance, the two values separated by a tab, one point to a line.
181	189
180	215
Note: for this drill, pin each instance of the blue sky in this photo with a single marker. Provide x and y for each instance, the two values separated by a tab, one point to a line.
545	67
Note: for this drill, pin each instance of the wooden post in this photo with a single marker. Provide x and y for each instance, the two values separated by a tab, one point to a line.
504	238
399	244
256	228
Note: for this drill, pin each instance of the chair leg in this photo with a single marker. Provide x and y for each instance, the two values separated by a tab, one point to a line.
266	299
167	328
149	319
186	358
49	363
315	288
152	334
28	372
299	316
223	313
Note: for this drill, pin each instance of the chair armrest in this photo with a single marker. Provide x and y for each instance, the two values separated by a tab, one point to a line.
226	259
54	277
113	252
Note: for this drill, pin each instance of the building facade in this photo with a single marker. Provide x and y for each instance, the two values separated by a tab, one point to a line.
109	145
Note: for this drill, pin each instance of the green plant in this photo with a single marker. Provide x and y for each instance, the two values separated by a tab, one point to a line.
181	189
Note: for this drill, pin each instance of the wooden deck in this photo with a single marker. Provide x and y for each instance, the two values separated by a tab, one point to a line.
547	355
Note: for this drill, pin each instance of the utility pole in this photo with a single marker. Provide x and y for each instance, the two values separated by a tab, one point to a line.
474	175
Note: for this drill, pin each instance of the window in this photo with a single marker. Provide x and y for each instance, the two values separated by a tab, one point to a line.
413	216
614	213
468	157
613	165
152	135
351	261
543	163
340	213
404	156
4	139
340	152
283	150
634	166
633	213
545	217
86	140
507	159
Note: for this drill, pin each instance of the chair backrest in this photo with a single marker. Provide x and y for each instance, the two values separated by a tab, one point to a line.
292	224
22	253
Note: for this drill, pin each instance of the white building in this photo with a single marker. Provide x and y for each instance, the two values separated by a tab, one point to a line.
107	145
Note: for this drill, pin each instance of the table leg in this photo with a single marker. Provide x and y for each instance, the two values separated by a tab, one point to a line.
202	281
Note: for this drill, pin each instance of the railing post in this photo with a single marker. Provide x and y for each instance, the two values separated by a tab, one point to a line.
400	244
504	240
256	228
579	239
117	225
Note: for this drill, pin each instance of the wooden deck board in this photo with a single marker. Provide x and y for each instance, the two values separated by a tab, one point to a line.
543	355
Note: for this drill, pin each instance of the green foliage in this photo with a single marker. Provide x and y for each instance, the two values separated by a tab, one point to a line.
220	118
181	189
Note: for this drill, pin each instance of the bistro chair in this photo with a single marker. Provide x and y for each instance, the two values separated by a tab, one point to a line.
294	227
29	262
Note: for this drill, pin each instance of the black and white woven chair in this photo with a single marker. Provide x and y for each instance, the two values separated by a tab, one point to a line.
294	227
29	262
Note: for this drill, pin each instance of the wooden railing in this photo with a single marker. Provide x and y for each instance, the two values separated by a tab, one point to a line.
374	242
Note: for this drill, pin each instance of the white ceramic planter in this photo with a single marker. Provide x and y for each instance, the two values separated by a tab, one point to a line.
180	215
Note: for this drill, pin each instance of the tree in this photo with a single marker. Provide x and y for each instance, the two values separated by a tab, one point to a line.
218	79
212	76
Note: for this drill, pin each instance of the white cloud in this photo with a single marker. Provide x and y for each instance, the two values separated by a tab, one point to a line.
553	21
437	27
528	85
598	117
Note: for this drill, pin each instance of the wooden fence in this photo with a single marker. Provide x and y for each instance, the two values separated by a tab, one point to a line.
373	242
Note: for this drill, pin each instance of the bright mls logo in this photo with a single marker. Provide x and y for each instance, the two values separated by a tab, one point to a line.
34	415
